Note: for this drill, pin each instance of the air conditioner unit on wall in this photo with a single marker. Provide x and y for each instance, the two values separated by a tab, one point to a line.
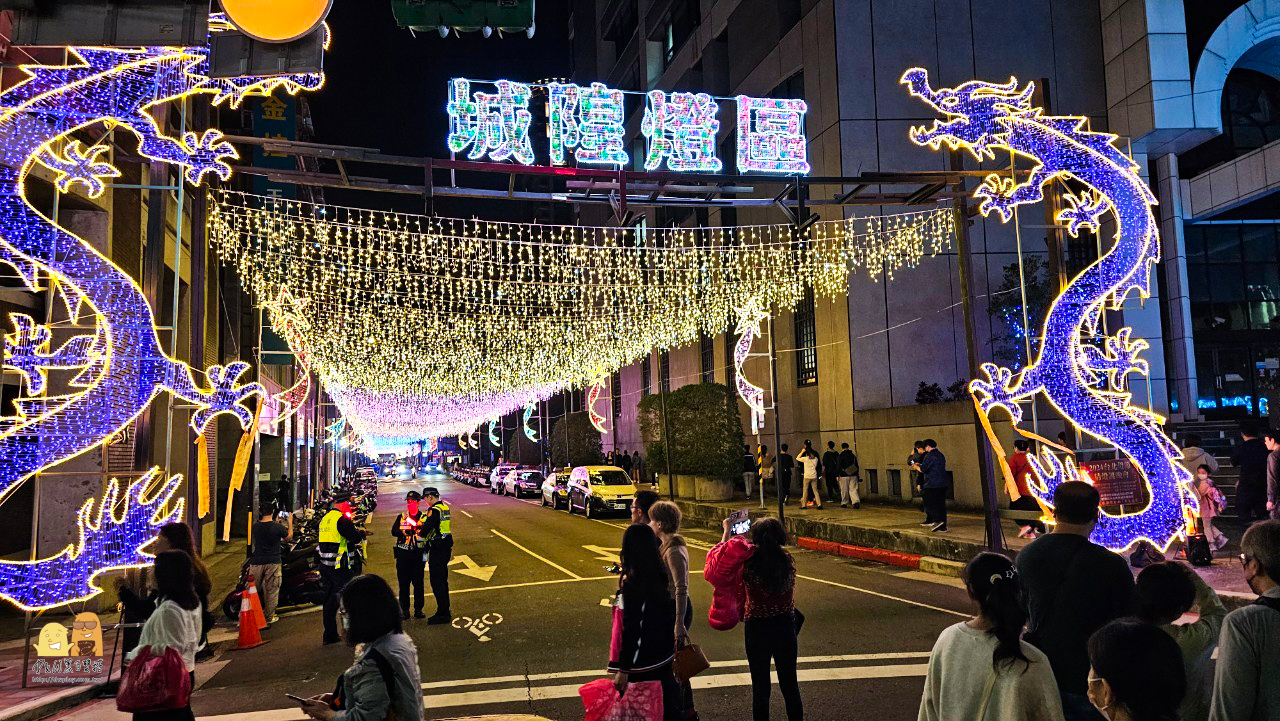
120	23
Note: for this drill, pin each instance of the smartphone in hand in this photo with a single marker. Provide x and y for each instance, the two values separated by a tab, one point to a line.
739	522
297	699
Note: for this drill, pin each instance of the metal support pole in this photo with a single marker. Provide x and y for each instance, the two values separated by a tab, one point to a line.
777	425
257	441
990	498
667	444
175	303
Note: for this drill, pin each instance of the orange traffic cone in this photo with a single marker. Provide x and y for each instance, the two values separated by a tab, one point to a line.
249	636
255	604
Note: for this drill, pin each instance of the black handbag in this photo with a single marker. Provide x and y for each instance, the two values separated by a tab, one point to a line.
1198	551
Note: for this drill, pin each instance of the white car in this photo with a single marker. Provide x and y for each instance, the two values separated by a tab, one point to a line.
498	473
522	481
555	489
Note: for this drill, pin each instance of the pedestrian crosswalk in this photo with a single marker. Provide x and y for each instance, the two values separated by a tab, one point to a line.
454	696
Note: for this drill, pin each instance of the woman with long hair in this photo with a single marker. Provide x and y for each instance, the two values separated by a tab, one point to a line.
770	618
1017	683
648	619
665	518
138	599
1135	672
175	623
384	681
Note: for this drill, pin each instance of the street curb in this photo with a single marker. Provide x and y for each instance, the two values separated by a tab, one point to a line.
916	544
942	567
48	705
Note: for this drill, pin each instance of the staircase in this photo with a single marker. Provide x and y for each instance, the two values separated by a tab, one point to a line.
1218	438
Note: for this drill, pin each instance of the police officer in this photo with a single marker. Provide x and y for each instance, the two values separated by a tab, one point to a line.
437	530
410	555
339	558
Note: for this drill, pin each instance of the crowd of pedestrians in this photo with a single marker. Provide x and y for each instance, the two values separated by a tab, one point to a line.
1098	645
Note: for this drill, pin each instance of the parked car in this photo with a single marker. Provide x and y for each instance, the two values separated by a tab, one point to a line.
555	488
498	473
522	481
600	489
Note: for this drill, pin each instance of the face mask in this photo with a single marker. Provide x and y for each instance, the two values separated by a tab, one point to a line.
346	623
1204	476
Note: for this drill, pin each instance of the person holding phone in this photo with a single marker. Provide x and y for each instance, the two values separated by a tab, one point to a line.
264	563
384	681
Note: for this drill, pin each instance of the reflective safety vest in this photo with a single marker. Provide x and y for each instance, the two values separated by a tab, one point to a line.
412	540
446	526
332	547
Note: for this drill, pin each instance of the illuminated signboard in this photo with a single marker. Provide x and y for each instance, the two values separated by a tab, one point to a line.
589	125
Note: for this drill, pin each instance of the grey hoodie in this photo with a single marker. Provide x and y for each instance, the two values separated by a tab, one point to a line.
1194	456
366	690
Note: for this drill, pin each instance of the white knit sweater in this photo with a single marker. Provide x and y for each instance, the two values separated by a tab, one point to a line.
959	669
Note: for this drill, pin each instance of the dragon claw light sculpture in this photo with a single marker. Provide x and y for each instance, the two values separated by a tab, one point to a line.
122	363
1083	379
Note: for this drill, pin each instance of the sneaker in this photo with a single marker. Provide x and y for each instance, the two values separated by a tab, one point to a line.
274	619
857	506
940	528
927	524
437	619
419	614
1025	531
844	505
819	507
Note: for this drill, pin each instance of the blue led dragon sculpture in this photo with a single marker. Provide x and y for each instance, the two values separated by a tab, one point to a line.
1083	375
120	366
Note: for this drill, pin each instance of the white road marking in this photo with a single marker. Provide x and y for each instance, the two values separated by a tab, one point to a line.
473	569
524	694
605	554
456	591
549	562
468	515
557	675
885	595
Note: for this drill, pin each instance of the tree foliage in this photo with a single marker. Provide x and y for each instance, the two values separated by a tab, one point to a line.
1008	337
575	442
522	450
706	431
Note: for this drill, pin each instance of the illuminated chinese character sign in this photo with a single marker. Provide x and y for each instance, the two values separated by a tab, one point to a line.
588	125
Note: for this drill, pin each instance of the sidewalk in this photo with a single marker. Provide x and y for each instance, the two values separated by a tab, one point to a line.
878	531
35	701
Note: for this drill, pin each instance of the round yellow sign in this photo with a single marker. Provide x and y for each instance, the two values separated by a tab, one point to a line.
276	21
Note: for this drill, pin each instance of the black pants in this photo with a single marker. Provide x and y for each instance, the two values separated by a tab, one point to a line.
438	558
409	571
773	638
1024	503
334	580
1251	501
833	486
671	707
935	505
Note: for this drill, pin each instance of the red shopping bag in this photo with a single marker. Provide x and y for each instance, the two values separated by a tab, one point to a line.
642	702
615	641
154	683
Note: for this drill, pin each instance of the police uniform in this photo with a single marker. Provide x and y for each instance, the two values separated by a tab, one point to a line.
410	554
437	530
339	562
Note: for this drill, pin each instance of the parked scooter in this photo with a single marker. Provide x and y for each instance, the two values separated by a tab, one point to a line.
300	581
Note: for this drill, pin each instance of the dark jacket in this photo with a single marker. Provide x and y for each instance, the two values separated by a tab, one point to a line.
786	465
830	464
408	545
648	628
848	463
1251	458
933	468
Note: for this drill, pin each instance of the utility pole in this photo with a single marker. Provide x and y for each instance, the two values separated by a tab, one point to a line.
777	426
990	497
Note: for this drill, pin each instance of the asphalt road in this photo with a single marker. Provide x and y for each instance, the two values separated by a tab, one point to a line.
531	625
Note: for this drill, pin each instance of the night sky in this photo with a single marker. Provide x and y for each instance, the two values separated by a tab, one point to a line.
386	89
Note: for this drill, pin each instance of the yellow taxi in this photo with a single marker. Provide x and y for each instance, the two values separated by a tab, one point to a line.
597	490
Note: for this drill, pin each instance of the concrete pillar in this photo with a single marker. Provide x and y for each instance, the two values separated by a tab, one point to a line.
1179	345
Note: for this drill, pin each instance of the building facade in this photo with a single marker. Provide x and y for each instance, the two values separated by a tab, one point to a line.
1190	90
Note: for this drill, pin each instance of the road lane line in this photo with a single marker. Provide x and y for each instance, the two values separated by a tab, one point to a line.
549	562
456	591
468	515
522	678
885	595
525	694
542	693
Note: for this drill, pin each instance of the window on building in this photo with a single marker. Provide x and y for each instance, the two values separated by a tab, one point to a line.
646	375
806	341
707	358
624	24
873	480
616	391
664	371
895	482
680	24
792	87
